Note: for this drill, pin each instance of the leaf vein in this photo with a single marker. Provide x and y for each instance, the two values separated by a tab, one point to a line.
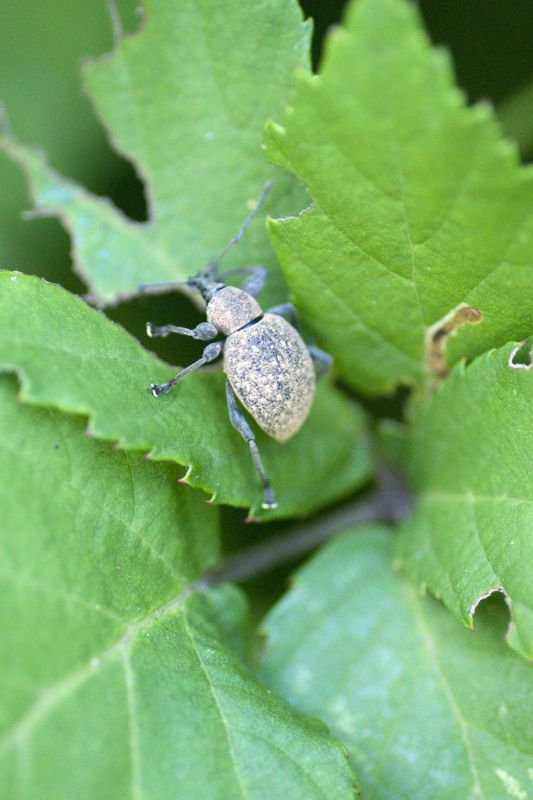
133	727
60	691
446	688
225	725
351	313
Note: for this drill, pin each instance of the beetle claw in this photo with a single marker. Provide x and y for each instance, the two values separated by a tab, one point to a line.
157	390
269	501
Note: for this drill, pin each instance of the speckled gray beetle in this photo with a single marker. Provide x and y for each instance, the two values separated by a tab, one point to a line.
269	367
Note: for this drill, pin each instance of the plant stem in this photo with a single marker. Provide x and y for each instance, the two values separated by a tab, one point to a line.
390	503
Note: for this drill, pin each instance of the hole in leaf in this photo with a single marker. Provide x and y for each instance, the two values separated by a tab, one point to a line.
521	355
493	610
123	187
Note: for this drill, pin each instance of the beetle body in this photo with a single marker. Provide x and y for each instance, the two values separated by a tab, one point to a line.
268	365
266	361
271	372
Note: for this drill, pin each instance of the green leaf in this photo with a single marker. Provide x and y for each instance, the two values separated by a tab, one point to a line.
117	675
419	208
71	357
469	463
186	98
425	708
37	63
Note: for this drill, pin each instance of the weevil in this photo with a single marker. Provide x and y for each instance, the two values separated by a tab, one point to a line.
269	367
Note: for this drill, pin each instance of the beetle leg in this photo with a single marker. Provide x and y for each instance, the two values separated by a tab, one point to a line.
240	424
322	360
204	331
211	352
288	311
158	288
256	281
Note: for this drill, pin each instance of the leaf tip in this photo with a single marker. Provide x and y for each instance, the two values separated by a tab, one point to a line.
186	475
274	131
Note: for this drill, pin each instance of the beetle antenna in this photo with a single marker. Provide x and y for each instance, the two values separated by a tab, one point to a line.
209	273
155	288
213	265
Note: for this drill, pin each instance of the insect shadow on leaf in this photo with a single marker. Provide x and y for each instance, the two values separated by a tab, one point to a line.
269	367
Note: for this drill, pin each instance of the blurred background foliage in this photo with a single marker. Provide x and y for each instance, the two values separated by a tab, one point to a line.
42	46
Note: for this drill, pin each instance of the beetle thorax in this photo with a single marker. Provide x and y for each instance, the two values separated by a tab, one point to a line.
231	308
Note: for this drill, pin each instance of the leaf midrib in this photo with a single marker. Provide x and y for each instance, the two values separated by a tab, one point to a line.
433	660
68	684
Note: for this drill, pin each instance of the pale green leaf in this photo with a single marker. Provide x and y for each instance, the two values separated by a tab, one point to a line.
71	357
426	708
37	62
418	205
469	462
186	98
117	675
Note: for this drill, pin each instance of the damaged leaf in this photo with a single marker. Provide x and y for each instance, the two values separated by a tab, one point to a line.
418	205
469	462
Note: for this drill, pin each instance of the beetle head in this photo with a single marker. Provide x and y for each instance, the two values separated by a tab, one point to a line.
206	284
